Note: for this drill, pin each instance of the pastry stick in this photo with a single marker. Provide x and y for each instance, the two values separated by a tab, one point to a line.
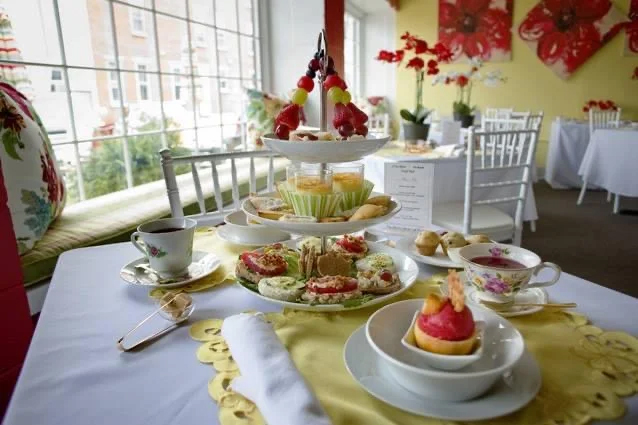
455	289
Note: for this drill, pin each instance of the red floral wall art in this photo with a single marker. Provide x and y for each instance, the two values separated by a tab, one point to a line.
565	33
477	28
631	40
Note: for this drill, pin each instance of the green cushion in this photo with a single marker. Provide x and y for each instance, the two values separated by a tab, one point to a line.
112	218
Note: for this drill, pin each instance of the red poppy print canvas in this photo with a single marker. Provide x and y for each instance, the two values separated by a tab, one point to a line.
476	29
565	33
631	39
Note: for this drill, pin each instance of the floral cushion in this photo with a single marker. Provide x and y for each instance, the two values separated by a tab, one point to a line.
31	175
260	113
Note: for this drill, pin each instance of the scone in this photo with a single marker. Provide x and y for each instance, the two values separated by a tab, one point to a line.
426	242
472	239
368	211
452	240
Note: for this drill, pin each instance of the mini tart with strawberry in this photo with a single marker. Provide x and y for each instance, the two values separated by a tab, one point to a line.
254	266
441	329
355	247
331	289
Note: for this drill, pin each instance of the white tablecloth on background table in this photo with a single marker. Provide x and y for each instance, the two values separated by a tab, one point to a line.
449	181
74	374
568	142
611	161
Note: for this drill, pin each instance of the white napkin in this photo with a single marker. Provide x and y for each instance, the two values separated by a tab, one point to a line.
269	378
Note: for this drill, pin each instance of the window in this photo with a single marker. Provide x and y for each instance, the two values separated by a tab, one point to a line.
57	83
351	53
114	86
143	86
98	142
138	25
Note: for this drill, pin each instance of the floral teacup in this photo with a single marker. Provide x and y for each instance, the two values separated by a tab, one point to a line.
501	271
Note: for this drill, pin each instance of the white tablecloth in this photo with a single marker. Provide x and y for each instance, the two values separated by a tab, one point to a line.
449	181
568	142
611	161
74	373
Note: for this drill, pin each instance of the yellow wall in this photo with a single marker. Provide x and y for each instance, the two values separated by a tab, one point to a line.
531	85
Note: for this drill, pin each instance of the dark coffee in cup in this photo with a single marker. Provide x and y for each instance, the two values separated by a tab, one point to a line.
167	230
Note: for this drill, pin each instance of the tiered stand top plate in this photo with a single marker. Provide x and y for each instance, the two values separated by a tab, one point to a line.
319	229
325	151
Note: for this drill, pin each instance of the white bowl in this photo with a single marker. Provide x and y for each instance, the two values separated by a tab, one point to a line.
502	344
250	233
325	151
443	361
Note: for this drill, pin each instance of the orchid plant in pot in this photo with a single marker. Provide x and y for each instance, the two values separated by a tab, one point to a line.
414	125
464	81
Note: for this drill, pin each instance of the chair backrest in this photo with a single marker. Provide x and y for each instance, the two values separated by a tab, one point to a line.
497	113
379	124
603	119
511	153
213	161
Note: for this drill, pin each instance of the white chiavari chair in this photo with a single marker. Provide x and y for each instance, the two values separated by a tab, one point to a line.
600	119
237	159
506	159
379	124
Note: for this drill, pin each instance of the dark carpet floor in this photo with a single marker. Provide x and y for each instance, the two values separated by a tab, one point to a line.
588	241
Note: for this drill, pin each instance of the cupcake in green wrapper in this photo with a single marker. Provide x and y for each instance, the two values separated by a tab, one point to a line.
356	198
284	190
315	205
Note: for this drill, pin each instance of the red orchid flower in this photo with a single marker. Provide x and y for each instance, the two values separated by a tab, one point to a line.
442	53
385	56
565	30
631	27
474	28
462	81
416	63
398	56
420	46
635	76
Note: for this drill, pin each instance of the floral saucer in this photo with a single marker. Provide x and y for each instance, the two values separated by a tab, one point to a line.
531	296
138	272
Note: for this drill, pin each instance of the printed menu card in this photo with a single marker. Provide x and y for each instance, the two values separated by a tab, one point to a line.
412	184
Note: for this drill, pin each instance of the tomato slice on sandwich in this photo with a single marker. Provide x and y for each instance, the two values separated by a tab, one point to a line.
352	243
332	284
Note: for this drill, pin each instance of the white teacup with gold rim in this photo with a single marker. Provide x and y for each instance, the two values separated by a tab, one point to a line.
167	243
500	271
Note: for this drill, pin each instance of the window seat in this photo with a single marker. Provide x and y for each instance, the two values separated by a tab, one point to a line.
112	218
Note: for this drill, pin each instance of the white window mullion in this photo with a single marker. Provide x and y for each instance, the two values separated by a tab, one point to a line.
69	101
219	92
159	77
125	151
192	74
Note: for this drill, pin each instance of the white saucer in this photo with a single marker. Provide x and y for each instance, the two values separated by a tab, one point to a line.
203	264
439	259
510	394
532	296
225	234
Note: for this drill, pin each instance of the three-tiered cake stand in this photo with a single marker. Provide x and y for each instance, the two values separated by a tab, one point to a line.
323	153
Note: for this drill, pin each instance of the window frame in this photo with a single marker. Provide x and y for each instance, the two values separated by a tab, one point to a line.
138	80
115	74
355	82
132	12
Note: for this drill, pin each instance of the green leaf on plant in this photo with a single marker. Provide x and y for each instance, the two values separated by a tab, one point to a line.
407	115
247	284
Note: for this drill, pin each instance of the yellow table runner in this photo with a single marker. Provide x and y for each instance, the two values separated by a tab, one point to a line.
585	369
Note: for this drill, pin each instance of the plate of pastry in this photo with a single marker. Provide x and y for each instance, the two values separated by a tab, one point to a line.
270	209
438	248
351	274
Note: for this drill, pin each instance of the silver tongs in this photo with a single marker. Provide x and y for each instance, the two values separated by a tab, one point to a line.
177	320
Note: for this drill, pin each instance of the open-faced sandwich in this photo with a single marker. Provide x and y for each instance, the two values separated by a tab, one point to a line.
253	266
376	274
331	289
354	247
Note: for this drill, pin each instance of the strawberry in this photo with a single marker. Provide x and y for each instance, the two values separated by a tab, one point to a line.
359	117
342	115
289	116
282	132
361	130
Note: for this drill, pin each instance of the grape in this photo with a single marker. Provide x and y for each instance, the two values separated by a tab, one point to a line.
313	64
299	96
332	81
335	94
311	74
306	83
330	71
345	97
